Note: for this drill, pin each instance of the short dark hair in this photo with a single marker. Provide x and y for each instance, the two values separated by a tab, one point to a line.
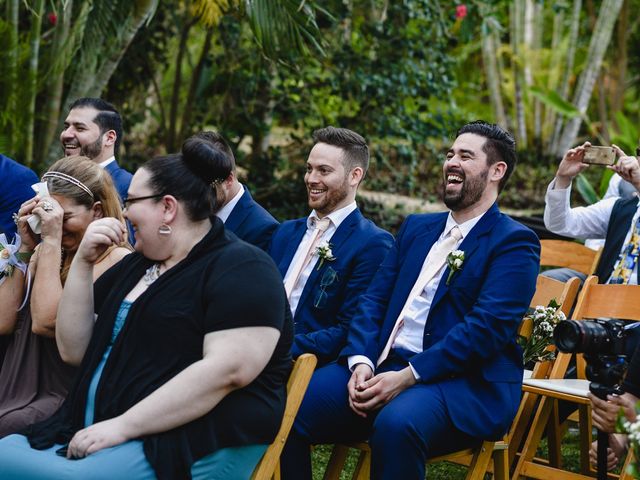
354	146
108	118
192	176
500	146
217	141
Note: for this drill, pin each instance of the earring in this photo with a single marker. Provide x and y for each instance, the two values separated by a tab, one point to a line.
164	229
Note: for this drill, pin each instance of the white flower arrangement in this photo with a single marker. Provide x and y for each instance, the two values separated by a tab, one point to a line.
455	259
545	319
10	259
323	250
632	429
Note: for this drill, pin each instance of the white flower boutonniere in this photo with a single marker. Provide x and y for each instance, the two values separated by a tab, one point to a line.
323	250
454	261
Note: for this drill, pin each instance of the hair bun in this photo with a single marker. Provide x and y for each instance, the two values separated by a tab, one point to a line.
205	160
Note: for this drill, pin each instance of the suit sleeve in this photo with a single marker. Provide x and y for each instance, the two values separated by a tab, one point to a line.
326	343
490	325
364	329
263	239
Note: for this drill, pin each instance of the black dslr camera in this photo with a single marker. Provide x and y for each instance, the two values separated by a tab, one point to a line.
604	345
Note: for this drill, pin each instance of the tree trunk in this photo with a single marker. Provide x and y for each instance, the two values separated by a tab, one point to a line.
622	59
536	43
32	80
571	54
54	87
11	74
555	67
516	41
600	39
489	49
193	87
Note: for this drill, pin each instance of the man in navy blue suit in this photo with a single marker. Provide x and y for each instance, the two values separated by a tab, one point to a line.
328	258
93	128
431	363
240	212
15	189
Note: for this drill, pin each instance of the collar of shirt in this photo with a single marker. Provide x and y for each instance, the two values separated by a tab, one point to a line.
107	162
465	227
224	212
336	217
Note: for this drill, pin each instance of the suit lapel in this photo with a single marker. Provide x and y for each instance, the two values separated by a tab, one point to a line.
339	247
469	245
299	229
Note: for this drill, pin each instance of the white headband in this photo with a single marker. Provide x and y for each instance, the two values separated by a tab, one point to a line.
68	178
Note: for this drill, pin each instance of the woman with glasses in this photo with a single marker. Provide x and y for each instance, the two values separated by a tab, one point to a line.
34	380
183	373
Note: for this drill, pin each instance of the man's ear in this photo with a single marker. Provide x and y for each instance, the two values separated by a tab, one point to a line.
498	170
109	138
355	176
97	210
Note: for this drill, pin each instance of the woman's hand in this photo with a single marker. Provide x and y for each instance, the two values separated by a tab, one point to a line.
108	433
29	239
51	215
100	235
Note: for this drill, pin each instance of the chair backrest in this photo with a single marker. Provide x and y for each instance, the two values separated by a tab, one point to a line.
569	254
297	385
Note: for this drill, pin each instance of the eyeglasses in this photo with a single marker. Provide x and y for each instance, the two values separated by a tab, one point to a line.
129	200
328	277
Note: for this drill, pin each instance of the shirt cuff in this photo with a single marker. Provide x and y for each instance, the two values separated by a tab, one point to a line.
415	373
354	360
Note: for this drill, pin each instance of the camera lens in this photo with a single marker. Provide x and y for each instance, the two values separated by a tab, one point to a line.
568	336
582	336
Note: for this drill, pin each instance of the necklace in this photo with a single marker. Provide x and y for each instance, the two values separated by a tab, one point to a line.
152	274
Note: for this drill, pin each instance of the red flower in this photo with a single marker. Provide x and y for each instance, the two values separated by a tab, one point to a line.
461	11
53	18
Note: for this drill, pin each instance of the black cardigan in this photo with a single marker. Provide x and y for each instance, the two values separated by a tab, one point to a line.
223	283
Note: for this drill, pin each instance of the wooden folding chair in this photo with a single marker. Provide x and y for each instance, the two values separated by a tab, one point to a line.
303	367
569	254
477	459
615	301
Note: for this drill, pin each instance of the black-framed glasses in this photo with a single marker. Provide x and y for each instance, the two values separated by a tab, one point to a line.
129	200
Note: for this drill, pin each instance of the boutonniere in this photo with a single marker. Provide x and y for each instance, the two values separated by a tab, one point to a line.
323	250
455	259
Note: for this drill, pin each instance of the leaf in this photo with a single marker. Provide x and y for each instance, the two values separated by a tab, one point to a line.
586	190
551	99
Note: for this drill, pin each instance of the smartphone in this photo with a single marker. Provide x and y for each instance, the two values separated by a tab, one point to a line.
599	155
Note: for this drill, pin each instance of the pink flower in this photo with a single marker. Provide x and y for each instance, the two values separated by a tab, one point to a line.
53	18
461	11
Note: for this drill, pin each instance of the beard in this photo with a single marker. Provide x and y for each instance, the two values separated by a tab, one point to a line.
471	191
92	150
331	199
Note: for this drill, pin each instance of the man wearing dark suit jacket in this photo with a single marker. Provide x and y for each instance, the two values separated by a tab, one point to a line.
15	189
431	363
239	211
93	128
328	259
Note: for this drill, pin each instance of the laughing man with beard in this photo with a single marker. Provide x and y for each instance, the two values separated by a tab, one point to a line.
431	363
328	258
93	128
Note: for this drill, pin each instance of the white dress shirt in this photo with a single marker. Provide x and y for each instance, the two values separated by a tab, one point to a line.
107	162
411	334
336	217
224	212
582	222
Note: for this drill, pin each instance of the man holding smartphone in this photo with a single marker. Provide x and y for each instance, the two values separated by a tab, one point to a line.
614	219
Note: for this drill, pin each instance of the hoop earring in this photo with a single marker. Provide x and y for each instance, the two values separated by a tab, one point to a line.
164	229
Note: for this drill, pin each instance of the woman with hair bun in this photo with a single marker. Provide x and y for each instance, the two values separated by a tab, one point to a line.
33	379
183	372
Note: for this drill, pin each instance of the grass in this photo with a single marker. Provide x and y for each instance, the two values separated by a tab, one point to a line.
444	470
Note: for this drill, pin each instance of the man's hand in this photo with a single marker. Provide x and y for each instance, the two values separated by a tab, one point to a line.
605	412
381	389
570	166
108	433
361	373
617	449
627	167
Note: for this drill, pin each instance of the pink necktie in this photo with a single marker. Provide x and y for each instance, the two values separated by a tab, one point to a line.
321	226
431	266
